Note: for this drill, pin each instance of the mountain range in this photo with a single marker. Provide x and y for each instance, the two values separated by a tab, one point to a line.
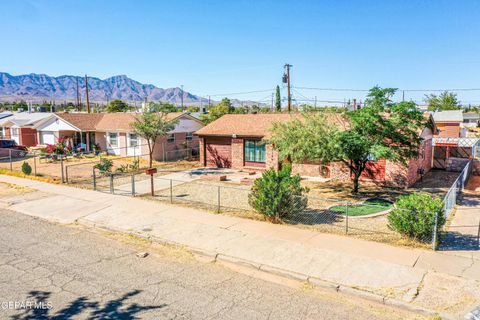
41	87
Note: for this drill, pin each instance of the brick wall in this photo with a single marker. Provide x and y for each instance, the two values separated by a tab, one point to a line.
339	171
271	157
311	170
456	164
237	153
476	167
201	145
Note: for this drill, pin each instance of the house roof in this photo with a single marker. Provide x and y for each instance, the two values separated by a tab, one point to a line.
471	116
253	125
25	119
82	121
448	116
122	121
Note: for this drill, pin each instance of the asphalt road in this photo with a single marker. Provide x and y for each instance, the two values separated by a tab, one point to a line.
72	273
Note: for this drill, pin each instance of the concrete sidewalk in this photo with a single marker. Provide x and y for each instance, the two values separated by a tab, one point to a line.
445	283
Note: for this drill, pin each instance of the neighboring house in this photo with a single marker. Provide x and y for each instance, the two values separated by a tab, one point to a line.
471	119
449	123
113	133
237	141
21	127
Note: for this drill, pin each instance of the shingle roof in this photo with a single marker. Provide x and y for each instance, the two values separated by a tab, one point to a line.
448	116
122	121
83	121
252	125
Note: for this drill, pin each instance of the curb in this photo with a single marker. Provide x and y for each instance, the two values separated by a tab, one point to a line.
279	275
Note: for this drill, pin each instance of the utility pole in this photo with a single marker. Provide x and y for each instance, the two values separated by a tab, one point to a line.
286	79
403	95
208	102
78	95
315	102
182	96
272	103
86	92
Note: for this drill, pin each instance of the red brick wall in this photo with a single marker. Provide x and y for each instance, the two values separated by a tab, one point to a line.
237	154
28	137
374	170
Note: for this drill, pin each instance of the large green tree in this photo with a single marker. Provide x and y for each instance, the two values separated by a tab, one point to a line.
278	100
380	130
162	107
151	126
117	106
215	112
444	101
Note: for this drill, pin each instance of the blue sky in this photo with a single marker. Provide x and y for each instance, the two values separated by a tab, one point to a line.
214	47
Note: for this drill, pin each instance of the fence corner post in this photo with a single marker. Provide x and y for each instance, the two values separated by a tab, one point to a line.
171	191
218	199
111	183
94	180
346	218
133	185
10	157
435	232
35	163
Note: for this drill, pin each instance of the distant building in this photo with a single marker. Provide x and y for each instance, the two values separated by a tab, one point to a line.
449	123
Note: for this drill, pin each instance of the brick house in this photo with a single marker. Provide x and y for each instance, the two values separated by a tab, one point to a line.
449	123
237	141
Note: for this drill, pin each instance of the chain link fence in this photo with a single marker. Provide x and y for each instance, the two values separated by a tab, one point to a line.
367	220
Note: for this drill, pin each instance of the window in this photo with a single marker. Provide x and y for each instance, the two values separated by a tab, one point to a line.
14	131
254	151
113	139
171	138
189	136
133	140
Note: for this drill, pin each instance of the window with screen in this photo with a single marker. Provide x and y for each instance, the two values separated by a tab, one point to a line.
133	140
113	139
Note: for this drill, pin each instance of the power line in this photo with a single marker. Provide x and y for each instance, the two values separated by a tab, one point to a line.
239	93
406	90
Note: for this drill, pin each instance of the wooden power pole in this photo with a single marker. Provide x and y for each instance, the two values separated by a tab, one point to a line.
286	79
78	96
86	92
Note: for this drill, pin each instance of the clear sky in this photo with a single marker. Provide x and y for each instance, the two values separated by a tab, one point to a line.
214	47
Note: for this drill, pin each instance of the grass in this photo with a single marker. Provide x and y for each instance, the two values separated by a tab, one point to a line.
370	206
38	177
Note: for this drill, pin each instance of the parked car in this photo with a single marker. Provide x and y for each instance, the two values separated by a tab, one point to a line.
18	151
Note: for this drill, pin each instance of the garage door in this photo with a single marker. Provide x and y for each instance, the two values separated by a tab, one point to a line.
219	153
47	137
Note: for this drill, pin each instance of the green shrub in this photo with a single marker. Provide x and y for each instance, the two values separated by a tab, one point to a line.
104	166
414	216
278	194
26	168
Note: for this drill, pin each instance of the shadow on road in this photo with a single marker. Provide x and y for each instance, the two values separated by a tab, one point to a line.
113	309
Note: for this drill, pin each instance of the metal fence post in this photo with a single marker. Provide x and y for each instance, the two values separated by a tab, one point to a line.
66	174
133	185
346	218
10	156
61	166
111	183
35	163
171	191
435	231
218	199
94	180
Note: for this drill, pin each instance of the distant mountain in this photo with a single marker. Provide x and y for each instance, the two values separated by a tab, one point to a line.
40	87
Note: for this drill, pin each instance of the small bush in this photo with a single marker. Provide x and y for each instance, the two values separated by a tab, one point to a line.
414	216
278	194
104	166
26	168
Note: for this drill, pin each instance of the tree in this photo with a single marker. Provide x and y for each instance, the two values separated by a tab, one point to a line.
164	107
151	126
445	101
215	112
278	100
117	106
380	130
278	194
193	109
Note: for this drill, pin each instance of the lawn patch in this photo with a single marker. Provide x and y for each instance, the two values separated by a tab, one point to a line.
370	206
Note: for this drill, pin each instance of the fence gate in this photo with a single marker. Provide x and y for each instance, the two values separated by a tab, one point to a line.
440	157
